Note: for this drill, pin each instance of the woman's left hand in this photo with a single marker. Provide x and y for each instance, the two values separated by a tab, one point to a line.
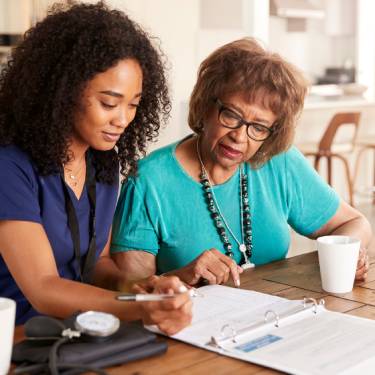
362	265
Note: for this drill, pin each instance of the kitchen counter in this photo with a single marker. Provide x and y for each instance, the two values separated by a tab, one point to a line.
313	102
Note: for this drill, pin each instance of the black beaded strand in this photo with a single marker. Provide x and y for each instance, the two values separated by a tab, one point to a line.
216	217
207	189
246	216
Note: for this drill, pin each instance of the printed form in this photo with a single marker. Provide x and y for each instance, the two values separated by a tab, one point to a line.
294	339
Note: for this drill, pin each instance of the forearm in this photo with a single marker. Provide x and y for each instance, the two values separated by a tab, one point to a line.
107	275
135	265
359	228
64	297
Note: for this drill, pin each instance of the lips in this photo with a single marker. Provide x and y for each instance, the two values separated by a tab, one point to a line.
111	137
229	152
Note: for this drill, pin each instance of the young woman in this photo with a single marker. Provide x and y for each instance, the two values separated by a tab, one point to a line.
81	96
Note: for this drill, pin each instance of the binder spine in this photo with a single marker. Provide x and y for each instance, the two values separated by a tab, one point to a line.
228	332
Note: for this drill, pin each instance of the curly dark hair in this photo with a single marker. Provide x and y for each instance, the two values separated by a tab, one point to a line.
42	85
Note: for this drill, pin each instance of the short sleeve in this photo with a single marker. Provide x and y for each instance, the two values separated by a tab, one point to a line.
18	192
311	201
132	225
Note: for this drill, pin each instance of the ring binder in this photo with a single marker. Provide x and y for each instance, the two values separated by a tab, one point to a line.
313	300
307	303
277	318
233	331
338	343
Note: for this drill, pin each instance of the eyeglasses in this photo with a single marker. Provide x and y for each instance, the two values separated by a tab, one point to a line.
232	120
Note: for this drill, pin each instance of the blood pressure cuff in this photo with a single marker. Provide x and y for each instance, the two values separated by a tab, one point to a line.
129	343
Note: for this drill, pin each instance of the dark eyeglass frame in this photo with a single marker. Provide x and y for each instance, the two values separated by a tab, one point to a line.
241	122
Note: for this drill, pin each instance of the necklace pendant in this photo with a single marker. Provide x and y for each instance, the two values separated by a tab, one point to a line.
242	248
247	265
72	176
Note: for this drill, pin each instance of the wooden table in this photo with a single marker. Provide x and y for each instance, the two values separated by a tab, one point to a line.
292	278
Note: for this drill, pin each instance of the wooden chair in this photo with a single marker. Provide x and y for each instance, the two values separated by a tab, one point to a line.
329	148
363	145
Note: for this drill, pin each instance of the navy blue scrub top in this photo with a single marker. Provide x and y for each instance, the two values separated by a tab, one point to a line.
27	196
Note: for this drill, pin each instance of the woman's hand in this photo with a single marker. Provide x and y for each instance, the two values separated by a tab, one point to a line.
211	265
362	265
170	315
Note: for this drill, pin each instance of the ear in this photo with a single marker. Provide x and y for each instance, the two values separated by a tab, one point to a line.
200	128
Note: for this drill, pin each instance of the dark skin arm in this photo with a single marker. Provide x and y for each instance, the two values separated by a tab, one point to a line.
27	252
349	221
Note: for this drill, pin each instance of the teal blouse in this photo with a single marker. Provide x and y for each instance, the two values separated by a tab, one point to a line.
163	210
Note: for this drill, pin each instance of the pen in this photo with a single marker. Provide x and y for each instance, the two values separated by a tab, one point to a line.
153	297
144	297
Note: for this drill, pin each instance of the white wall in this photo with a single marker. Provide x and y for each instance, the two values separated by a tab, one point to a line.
176	24
189	30
366	45
15	16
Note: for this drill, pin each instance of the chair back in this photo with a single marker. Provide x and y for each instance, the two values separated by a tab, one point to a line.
338	121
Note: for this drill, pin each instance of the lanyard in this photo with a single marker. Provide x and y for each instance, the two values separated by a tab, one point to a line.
89	261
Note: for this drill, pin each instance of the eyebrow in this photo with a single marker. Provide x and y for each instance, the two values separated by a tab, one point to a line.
117	94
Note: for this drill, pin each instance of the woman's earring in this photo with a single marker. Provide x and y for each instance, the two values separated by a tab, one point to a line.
200	128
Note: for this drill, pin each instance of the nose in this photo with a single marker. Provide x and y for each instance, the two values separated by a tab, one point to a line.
239	135
120	119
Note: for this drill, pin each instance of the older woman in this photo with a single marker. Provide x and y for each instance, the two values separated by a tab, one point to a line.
226	196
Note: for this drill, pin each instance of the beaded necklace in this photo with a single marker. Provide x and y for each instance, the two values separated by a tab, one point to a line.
246	245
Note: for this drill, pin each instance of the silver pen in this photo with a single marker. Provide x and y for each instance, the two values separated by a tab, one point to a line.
144	297
153	296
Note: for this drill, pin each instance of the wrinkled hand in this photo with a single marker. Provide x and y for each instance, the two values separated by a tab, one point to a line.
362	265
170	315
146	285
213	266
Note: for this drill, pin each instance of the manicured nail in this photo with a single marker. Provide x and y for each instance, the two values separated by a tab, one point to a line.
237	283
182	289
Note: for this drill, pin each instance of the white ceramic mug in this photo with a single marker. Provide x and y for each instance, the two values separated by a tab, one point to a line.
7	319
338	257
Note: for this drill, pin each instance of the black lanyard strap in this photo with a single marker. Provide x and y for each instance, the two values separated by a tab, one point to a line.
85	272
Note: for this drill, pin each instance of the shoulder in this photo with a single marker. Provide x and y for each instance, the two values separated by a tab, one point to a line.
12	158
153	170
292	159
285	168
14	153
289	156
155	159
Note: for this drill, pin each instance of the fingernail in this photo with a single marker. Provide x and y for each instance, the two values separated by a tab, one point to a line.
192	293
237	282
182	289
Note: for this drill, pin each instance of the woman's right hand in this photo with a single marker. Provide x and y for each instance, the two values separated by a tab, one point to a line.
170	315
212	266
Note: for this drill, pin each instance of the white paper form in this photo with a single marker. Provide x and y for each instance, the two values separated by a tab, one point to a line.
313	344
224	306
304	343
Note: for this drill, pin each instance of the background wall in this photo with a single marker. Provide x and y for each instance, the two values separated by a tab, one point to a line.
178	39
189	30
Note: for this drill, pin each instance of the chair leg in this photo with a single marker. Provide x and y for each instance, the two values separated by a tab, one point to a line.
348	178
316	163
329	170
